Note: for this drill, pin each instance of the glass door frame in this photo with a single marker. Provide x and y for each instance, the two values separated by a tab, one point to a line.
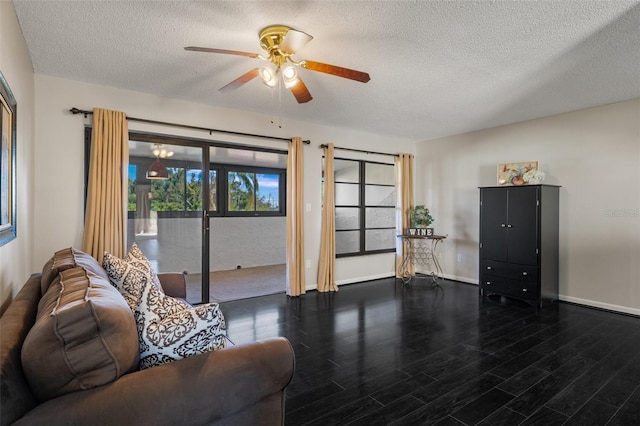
205	165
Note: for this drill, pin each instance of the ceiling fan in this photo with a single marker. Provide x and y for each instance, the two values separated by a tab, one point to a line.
280	43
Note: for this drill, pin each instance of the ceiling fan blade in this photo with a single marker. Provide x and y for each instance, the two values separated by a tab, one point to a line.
294	40
244	78
360	76
223	51
301	92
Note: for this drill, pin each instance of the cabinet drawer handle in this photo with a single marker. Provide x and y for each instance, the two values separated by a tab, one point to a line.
525	274
509	226
524	289
502	225
488	282
488	267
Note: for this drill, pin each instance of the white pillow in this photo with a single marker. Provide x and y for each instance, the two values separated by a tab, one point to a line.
167	336
127	276
168	328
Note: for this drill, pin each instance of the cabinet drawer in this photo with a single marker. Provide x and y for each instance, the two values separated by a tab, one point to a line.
507	287
493	284
509	270
523	290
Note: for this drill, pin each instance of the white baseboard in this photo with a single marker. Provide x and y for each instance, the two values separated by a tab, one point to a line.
600	305
461	279
354	280
369	278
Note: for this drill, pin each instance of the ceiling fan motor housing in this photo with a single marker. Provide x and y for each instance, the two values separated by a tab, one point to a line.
270	39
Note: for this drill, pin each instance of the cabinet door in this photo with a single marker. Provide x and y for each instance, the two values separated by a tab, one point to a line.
493	222
522	220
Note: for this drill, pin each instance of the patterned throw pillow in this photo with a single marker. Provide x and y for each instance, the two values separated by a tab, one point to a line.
127	274
168	328
166	335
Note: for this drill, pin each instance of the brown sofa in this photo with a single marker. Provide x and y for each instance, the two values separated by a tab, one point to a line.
239	385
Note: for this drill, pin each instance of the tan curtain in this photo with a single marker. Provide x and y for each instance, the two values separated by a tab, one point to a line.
404	202
295	213
104	223
327	262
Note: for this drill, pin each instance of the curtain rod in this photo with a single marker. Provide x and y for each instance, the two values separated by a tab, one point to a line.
360	150
75	111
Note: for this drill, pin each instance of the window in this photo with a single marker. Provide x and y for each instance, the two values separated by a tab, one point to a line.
365	207
247	191
253	192
132	196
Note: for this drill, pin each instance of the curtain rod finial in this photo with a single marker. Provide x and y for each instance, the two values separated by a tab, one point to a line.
75	111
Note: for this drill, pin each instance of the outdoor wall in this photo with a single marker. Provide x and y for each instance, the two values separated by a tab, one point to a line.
594	154
15	64
59	161
233	242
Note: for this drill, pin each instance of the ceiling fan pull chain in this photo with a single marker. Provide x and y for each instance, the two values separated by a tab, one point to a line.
280	106
273	118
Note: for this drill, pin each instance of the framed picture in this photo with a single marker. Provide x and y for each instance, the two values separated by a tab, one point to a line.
7	163
511	173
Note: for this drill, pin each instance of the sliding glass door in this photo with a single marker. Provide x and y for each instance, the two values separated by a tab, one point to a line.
165	210
200	209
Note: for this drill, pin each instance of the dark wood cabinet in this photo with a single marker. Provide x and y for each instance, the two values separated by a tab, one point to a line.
519	242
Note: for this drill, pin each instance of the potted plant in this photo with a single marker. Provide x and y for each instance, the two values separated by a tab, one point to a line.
420	217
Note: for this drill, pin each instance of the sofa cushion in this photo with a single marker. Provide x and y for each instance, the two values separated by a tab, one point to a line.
167	335
66	259
84	336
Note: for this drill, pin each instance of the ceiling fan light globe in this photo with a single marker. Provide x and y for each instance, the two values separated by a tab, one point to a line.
265	74
290	77
269	76
290	83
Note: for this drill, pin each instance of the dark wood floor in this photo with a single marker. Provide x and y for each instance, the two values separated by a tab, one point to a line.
380	353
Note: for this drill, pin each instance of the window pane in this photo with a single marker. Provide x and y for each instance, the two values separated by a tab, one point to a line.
383	174
379	239
268	192
346	171
346	194
380	218
241	191
245	157
168	195
379	195
347	242
131	196
194	189
375	200
213	190
347	218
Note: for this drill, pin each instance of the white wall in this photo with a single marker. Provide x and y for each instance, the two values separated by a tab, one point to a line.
594	154
15	64
59	160
233	242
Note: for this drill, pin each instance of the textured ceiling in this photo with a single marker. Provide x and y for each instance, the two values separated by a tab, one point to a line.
437	68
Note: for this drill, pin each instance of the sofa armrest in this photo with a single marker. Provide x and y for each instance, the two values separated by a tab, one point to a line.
199	390
174	284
